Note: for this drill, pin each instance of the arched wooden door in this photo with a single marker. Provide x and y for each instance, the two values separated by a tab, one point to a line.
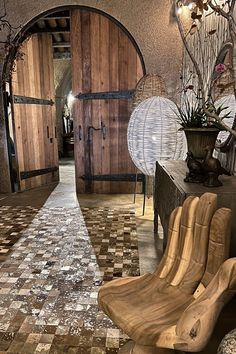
104	59
34	123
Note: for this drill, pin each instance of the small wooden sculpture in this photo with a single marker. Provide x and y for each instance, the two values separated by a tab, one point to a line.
178	306
196	172
213	169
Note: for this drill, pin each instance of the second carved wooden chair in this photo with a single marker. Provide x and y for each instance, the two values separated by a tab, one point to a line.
177	306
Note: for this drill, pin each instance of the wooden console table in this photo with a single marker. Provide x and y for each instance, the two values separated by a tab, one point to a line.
171	191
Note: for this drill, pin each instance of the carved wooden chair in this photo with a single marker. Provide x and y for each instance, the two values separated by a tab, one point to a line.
177	306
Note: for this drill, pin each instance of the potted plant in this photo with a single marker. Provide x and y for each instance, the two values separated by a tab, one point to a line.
200	129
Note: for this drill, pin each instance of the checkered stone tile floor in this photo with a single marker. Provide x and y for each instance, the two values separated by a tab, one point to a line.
13	220
114	239
53	265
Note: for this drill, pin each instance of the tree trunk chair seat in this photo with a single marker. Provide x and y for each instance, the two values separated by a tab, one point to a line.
177	306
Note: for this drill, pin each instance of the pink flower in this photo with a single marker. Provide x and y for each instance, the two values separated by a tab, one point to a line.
220	68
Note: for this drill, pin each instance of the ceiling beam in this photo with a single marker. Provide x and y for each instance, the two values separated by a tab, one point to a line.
55	17
61	44
50	30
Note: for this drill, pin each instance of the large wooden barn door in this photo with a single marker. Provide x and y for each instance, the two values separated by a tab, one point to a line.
103	60
34	113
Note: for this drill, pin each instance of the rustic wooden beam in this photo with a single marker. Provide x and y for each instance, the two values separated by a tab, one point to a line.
61	44
57	16
50	30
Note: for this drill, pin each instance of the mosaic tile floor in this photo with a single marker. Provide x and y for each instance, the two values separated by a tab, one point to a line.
50	273
13	220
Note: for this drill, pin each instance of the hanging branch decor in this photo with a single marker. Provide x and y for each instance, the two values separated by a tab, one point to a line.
9	44
199	10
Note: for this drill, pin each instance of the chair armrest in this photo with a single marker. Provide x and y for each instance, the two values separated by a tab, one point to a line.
197	322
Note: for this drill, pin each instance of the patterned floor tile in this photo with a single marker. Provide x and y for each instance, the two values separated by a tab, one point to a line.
13	220
51	272
114	239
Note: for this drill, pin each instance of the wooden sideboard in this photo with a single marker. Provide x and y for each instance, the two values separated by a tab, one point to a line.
171	191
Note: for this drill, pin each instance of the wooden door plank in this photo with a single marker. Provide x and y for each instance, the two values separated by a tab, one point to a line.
96	87
86	87
123	109
52	108
45	128
25	116
79	131
132	80
104	75
139	73
114	104
45	72
54	146
39	110
17	83
34	79
32	123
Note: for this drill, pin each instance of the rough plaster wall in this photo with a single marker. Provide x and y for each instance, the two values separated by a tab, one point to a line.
149	22
62	79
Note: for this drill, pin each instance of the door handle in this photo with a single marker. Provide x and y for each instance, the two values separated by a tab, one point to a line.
104	130
80	132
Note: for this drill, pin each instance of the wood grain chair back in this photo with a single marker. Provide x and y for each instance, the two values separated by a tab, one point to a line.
171	250
186	238
205	210
179	243
177	306
219	242
185	258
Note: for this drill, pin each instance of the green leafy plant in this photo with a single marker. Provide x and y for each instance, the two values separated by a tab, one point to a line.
192	115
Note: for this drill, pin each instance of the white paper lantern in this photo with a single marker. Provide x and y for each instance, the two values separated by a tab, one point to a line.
153	134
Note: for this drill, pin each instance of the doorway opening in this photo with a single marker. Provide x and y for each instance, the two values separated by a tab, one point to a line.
75	58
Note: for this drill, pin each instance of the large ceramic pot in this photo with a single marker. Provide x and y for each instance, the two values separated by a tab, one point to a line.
199	138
